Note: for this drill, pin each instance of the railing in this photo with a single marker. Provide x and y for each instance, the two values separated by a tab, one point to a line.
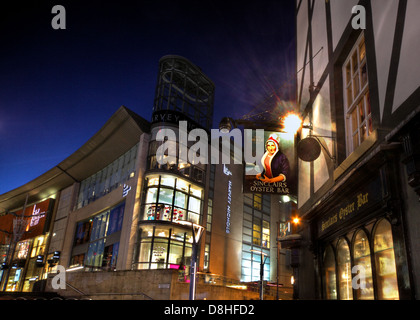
108	293
270	289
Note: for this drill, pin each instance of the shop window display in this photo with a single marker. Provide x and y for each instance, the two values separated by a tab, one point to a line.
163	247
386	273
344	270
170	198
362	258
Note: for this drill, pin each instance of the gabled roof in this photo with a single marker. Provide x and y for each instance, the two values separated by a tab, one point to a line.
120	133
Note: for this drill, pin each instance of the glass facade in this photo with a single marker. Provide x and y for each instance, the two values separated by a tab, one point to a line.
184	88
164	246
96	240
256	237
355	271
108	179
195	172
171	200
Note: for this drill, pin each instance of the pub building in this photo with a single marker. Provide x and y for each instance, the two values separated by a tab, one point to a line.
358	92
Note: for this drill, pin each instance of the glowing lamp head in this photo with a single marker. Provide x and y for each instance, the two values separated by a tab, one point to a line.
296	220
292	123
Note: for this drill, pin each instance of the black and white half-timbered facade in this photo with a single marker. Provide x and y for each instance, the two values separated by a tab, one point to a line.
358	89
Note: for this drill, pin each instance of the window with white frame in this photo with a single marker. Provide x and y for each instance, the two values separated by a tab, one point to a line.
356	97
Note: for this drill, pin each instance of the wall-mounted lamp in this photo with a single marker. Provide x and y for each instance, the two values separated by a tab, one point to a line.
226	124
309	148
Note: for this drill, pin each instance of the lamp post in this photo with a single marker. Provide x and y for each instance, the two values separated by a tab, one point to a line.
263	258
197	232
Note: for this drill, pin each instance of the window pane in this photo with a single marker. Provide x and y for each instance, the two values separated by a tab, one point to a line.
194	205
355	140
363	74
368	109
362	115
354	62
329	273
180	200
362	50
356	87
363	133
344	271
164	212
167	181
182	185
361	253
175	254
195	191
145	251
151	195
115	219
193	217
179	214
354	121
348	74
166	195
160	250
386	274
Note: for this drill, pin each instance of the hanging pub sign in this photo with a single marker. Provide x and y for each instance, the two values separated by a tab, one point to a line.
272	172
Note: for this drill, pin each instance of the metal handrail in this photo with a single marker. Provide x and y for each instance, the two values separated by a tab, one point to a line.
107	293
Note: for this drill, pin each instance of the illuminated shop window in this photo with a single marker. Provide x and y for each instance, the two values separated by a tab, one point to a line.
386	273
164	247
362	258
344	270
170	198
22	250
330	285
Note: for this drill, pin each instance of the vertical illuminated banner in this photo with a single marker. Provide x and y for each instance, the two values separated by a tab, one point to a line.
274	172
227	172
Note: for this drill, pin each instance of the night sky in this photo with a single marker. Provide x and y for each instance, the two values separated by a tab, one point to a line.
59	87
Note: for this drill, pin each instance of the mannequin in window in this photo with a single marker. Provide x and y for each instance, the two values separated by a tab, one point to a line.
275	163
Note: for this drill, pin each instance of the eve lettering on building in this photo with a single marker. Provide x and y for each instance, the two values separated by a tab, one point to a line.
59	20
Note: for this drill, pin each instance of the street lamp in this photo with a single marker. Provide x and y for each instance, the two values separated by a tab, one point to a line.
263	258
197	232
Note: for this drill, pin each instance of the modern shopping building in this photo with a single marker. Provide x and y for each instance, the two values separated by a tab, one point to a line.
121	222
358	86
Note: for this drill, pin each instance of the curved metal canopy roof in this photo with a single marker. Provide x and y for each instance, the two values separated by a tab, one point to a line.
120	133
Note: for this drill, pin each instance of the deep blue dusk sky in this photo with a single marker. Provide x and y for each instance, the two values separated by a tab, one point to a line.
58	87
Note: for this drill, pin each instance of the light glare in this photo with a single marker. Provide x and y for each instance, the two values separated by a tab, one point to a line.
292	123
